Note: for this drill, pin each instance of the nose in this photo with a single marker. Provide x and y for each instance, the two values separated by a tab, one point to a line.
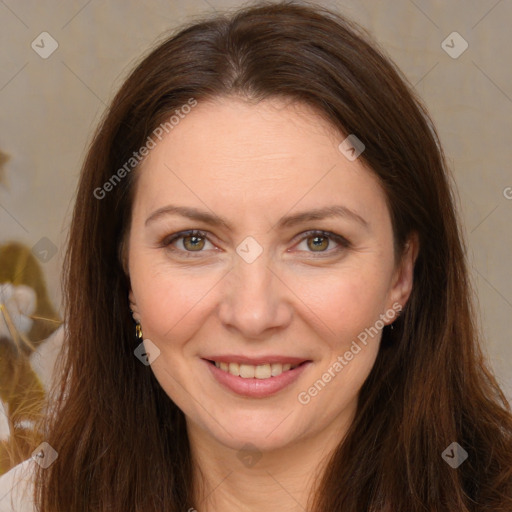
255	299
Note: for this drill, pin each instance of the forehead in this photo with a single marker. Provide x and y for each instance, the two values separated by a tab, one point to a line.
230	153
234	129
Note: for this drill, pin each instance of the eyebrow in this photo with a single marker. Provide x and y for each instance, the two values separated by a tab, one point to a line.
285	222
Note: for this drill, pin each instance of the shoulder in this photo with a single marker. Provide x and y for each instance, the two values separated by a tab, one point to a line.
16	488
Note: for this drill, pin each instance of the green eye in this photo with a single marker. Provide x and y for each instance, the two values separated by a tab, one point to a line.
193	242
318	242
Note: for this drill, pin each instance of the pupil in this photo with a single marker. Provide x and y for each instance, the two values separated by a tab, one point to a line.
319	242
194	241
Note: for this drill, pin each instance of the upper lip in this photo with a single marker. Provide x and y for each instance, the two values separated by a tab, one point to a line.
269	359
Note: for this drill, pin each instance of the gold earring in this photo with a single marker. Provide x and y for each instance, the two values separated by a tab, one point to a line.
138	331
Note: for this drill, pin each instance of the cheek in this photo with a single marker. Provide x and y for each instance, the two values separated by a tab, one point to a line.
169	300
349	308
345	303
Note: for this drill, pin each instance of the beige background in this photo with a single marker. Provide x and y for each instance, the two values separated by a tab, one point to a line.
50	107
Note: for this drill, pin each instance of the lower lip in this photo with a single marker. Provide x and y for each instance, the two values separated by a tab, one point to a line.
256	388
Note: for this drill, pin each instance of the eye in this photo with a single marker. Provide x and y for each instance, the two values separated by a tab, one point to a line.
316	241
320	241
188	241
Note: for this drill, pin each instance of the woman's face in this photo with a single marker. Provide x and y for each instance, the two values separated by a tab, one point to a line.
293	265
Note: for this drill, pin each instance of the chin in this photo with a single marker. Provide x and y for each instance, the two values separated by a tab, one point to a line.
260	431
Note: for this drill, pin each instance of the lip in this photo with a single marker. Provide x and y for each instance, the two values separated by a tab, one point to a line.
257	388
255	361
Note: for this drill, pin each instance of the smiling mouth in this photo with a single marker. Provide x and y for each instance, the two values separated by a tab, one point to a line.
260	371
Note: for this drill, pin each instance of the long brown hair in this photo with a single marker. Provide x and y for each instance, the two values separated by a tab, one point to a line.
122	442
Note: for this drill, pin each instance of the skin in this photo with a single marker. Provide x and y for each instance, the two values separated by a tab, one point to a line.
252	164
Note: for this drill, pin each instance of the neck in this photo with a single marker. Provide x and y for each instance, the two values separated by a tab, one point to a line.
250	480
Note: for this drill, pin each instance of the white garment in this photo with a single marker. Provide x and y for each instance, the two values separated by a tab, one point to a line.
16	488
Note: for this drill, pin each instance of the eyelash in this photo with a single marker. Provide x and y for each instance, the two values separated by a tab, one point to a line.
340	240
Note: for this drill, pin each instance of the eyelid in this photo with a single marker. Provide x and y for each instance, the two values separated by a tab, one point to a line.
167	241
342	242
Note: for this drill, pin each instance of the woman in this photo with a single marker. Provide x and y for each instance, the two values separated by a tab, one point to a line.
268	304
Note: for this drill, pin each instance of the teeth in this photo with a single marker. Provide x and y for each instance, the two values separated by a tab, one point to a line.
262	371
276	369
249	371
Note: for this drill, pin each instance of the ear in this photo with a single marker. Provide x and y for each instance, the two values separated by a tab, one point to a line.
404	274
133	306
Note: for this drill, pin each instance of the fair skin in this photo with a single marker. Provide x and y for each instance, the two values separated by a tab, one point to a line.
252	164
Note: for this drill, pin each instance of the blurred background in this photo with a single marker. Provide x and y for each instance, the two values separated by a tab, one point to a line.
61	62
